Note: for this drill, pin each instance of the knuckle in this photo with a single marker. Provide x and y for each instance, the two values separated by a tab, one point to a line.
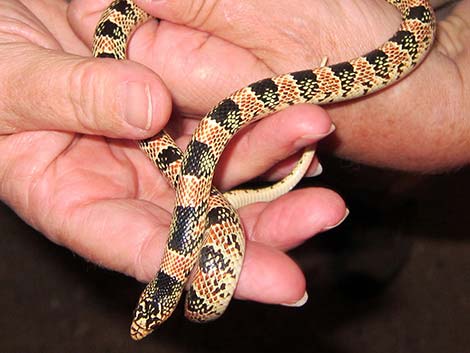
12	84
199	12
80	83
87	95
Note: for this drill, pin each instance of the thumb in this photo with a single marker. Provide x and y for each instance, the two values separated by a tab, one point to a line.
48	90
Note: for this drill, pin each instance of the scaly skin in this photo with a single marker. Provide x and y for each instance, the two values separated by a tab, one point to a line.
355	78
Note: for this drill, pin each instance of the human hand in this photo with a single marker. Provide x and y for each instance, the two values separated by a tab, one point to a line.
100	196
418	124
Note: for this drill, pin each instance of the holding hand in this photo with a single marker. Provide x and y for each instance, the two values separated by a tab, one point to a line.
100	196
204	50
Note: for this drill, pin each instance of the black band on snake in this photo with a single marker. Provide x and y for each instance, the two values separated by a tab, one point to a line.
205	229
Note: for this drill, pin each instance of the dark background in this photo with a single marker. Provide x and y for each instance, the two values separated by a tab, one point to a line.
394	278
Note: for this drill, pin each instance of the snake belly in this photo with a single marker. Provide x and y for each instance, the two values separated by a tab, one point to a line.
323	85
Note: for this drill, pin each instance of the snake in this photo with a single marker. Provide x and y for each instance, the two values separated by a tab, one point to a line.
206	240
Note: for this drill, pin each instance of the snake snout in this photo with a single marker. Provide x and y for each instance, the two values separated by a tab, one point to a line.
139	331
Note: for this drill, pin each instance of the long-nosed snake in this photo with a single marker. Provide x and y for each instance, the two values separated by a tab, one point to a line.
205	230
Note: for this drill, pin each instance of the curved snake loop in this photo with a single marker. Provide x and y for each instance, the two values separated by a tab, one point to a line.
204	224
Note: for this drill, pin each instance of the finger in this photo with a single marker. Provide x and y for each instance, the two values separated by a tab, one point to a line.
83	16
192	63
269	276
294	217
290	131
125	235
129	236
48	90
196	14
283	168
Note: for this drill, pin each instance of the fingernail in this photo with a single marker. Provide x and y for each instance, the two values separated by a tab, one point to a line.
311	138
136	104
346	214
316	172
299	303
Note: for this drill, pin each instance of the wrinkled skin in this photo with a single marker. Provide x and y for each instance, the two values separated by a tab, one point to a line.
100	196
221	45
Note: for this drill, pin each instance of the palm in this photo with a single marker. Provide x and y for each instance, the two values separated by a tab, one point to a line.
90	182
65	184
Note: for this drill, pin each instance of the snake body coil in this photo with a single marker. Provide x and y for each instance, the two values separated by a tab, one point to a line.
203	222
